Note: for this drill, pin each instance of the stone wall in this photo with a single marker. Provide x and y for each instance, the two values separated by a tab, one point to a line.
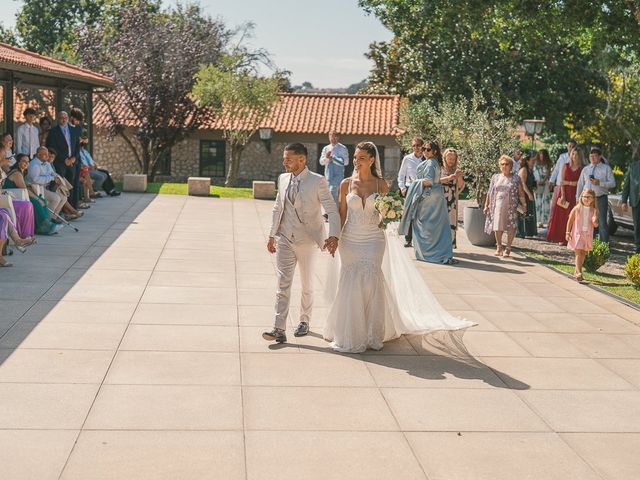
258	163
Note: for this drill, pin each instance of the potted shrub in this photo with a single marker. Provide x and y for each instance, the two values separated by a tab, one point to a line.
480	133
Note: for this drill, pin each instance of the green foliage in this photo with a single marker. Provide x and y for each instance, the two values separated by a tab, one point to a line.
153	57
480	133
523	52
241	97
632	270
598	256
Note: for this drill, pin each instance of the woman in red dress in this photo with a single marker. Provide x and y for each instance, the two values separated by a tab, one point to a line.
559	215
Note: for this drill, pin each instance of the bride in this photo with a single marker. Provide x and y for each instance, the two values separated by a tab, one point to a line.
380	294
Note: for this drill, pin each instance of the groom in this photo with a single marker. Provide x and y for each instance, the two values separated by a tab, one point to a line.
297	228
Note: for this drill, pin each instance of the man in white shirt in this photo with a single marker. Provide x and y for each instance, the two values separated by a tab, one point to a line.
334	158
41	173
28	135
407	174
563	159
598	176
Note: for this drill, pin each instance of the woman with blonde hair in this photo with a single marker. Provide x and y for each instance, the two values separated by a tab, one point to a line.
501	204
569	175
452	184
582	220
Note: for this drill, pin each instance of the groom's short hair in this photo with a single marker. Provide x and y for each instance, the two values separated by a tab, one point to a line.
297	149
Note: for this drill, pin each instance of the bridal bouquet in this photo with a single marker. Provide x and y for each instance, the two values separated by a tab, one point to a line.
390	207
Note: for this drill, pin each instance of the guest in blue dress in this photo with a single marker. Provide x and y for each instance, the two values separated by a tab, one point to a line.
426	206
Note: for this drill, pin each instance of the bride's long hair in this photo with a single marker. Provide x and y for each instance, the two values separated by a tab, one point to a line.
372	150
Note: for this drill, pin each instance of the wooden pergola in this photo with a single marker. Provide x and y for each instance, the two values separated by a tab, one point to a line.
24	71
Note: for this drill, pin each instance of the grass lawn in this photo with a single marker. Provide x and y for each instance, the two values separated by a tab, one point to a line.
181	189
615	284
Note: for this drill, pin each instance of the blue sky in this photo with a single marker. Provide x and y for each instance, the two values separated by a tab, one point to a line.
321	41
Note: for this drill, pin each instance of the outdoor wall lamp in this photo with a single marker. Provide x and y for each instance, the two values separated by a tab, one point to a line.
266	134
533	127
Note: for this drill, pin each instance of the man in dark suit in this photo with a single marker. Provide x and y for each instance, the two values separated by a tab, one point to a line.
65	140
631	195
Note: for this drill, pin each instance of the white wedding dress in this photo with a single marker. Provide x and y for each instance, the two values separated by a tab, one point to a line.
380	293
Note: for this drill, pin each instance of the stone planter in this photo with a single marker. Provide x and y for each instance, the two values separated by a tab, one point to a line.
474	219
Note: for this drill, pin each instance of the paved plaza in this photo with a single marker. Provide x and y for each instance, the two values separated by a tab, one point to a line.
132	350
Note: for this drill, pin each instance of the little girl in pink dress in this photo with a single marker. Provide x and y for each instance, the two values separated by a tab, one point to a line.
582	220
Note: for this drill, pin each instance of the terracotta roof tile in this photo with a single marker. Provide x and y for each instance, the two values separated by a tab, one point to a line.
19	59
307	113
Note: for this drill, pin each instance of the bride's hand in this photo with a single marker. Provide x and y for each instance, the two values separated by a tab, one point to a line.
331	244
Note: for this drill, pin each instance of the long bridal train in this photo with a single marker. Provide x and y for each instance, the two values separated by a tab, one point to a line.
381	303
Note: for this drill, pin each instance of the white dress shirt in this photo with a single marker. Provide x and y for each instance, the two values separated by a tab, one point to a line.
602	172
556	176
408	168
27	139
41	173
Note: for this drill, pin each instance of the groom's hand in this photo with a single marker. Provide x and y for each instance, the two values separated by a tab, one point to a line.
271	245
331	244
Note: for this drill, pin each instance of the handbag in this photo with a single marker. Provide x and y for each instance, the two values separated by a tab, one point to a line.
563	203
20	194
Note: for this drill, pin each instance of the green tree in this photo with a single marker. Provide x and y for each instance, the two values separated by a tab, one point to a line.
51	27
542	54
479	131
241	98
153	58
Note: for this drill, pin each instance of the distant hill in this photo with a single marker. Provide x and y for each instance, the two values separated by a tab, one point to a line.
307	87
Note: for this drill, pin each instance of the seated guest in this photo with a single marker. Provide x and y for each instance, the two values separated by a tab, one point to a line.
8	231
42	175
28	135
16	179
25	224
101	177
64	187
7	144
45	127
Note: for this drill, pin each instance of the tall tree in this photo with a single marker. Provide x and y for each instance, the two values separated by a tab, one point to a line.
153	58
539	54
242	100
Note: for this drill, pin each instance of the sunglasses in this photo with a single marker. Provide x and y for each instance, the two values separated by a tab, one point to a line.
427	149
503	164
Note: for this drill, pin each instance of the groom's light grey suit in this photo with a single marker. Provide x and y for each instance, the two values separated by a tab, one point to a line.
298	227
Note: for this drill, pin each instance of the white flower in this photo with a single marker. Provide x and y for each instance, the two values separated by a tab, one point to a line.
397	203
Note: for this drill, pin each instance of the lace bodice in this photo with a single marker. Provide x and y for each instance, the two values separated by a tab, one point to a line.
359	213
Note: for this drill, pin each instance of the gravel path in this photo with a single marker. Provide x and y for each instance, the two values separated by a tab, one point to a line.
621	247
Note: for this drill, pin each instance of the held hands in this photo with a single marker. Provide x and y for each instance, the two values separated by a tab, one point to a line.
271	245
331	244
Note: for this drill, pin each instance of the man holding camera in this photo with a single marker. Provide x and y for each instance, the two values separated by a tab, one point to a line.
598	176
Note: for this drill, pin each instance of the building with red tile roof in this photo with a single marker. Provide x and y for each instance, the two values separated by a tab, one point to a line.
296	117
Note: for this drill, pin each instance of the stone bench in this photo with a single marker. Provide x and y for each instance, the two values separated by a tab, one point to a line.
134	182
264	190
199	186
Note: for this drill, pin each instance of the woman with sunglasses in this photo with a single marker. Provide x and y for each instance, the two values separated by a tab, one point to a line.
426	207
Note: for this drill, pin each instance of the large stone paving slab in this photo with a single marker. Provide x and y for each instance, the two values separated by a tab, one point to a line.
132	350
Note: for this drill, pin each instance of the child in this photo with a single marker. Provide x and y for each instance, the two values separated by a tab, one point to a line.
582	220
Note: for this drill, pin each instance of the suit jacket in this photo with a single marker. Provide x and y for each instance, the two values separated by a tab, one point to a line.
313	196
58	142
631	190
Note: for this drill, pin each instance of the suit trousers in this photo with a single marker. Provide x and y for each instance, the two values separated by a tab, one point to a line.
289	254
635	211
55	200
603	212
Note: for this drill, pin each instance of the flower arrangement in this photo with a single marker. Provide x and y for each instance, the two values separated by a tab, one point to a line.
390	207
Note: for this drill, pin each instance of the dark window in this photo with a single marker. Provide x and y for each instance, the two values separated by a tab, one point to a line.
163	165
212	158
349	168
